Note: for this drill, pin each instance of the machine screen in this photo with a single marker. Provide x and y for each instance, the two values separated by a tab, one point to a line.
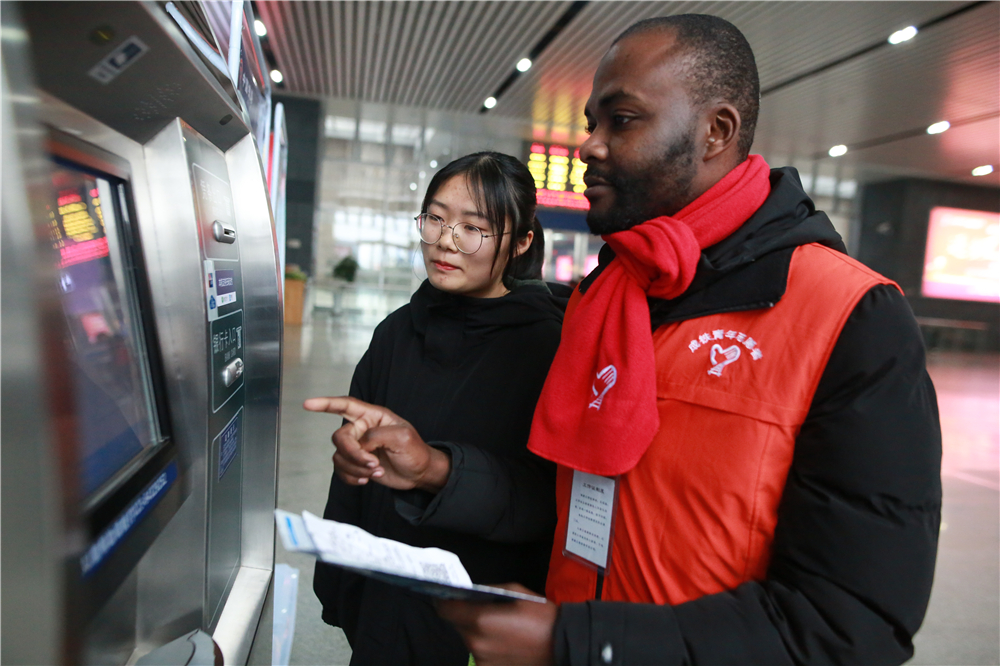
115	414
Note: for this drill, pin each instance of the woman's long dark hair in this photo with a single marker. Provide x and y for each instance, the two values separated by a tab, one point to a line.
504	190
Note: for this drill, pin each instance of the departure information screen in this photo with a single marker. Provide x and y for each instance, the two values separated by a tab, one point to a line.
962	261
558	173
112	391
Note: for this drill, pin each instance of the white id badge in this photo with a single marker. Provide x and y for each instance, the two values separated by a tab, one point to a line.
591	518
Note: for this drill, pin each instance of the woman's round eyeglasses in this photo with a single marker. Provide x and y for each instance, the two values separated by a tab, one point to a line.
468	237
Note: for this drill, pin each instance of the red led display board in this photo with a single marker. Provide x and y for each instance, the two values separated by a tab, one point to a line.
558	173
77	225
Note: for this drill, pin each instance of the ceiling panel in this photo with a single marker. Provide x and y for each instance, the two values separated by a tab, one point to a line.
431	54
975	143
787	37
951	73
452	55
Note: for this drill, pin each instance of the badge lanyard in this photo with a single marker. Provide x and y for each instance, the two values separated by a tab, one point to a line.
590	528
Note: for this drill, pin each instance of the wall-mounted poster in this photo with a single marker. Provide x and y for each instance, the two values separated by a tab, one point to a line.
962	261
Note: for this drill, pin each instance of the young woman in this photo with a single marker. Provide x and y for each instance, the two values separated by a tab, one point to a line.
460	367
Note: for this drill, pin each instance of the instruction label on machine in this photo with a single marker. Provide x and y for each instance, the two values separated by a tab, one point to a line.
228	443
226	346
214	201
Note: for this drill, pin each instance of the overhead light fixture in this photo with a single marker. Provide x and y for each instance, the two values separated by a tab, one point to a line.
434	164
937	128
413	186
490	102
277	76
984	170
904	35
838	150
524	64
423	174
260	28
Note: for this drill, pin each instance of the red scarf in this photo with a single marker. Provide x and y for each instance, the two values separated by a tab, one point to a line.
597	411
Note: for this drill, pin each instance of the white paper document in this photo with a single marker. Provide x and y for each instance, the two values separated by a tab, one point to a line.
429	570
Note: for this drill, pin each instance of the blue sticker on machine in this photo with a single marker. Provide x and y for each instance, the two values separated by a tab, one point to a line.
113	535
229	443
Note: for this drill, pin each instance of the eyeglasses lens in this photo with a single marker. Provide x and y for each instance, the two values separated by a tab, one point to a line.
468	238
430	228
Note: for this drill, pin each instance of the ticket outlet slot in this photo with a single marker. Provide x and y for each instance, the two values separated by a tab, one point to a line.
223	233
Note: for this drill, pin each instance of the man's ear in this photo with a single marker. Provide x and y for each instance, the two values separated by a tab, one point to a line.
723	134
524	243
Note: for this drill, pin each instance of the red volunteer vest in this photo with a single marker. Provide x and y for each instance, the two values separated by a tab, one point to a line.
697	515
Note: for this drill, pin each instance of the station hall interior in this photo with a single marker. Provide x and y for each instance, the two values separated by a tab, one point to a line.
208	207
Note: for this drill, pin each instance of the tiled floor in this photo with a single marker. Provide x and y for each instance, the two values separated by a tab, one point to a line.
962	624
963	621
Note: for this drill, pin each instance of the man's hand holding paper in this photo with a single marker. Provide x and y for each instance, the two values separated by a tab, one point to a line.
433	571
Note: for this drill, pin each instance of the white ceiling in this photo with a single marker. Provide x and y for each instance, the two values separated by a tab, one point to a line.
452	55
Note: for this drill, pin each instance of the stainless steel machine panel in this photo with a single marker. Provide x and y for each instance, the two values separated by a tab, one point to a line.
87	51
223	284
32	536
207	238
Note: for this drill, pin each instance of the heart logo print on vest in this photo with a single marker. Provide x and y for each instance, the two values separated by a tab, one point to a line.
605	380
730	354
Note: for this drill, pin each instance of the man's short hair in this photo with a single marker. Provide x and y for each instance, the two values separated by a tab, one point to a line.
721	64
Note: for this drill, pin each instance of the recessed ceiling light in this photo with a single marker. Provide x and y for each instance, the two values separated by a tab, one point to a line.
413	186
490	102
260	28
937	128
984	170
904	35
838	150
434	164
524	64
277	76
423	174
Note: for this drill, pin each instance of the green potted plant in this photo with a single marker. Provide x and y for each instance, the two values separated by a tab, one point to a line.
346	269
343	273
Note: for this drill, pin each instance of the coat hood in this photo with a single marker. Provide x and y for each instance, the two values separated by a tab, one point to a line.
528	302
787	219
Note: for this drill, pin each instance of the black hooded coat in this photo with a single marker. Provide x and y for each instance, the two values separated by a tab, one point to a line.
466	373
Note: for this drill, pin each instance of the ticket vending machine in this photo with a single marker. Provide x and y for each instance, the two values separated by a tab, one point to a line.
141	341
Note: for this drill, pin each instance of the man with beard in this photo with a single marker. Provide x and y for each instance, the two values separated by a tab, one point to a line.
747	437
